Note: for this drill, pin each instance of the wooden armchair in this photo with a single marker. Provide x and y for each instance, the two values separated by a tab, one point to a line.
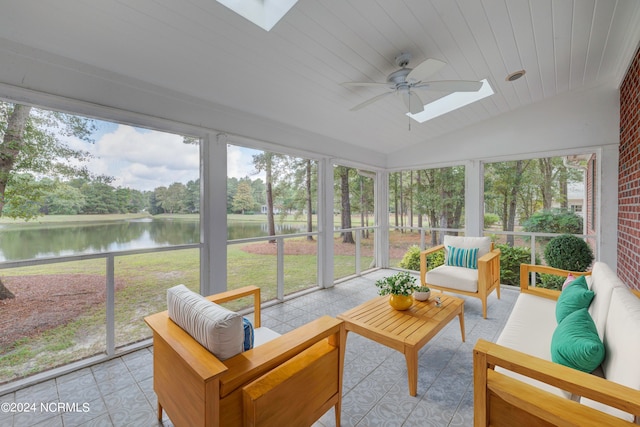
478	283
197	389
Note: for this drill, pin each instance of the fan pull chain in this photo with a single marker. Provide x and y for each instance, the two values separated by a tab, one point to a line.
408	115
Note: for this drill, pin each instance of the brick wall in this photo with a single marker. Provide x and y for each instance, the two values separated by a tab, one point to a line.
629	177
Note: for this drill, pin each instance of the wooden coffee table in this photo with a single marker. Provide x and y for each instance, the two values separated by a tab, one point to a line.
406	331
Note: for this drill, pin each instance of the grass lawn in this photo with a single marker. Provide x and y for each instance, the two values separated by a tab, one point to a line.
141	284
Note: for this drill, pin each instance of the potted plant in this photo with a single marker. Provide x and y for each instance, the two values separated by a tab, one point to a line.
422	293
400	287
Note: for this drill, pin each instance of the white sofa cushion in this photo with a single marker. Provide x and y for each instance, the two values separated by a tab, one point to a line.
459	278
622	344
529	329
217	329
603	281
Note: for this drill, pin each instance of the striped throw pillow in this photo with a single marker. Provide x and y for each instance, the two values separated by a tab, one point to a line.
216	328
460	257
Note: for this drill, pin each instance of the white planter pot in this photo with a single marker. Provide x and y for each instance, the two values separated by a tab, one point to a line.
422	296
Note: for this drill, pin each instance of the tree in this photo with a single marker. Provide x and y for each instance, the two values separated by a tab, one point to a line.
307	181
171	199
100	197
345	203
65	200
265	162
439	194
243	200
30	141
192	202
297	188
505	180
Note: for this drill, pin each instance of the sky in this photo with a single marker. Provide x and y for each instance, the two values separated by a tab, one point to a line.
145	159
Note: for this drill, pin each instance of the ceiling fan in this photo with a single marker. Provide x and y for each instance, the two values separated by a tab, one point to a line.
406	81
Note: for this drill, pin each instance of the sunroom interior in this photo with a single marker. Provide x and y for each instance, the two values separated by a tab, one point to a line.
198	68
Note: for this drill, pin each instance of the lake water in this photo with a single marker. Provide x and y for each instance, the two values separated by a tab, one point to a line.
19	242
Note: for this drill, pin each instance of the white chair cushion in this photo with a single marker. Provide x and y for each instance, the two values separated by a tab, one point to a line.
458	278
262	335
482	243
217	329
622	343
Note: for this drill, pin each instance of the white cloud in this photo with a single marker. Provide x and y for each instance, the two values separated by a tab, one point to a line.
146	159
240	162
142	159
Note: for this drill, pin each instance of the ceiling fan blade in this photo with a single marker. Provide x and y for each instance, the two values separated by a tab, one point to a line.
373	84
451	86
370	101
413	102
426	69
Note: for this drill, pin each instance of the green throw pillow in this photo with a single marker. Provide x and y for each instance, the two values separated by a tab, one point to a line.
574	297
576	344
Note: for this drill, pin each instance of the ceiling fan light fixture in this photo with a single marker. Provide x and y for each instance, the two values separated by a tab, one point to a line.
515	75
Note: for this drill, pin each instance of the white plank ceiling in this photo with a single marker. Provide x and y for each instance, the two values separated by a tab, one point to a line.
292	74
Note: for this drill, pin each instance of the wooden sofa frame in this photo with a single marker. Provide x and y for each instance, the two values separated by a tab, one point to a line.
196	389
501	400
488	275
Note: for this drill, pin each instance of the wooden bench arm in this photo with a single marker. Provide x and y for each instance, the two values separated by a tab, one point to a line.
527	269
488	355
423	261
489	271
235	294
203	363
255	362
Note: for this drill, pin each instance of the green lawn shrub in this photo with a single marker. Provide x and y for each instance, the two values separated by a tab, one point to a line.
553	221
566	252
510	259
490	219
411	259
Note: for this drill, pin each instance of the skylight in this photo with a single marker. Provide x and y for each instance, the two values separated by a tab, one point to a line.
452	102
263	13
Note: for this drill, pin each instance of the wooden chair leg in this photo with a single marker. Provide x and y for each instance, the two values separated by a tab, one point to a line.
159	411
338	409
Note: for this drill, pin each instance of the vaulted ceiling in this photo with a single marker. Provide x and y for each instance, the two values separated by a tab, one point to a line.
292	74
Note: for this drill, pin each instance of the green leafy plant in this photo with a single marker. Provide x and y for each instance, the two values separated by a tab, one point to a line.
568	252
490	219
411	259
553	221
422	289
401	283
510	259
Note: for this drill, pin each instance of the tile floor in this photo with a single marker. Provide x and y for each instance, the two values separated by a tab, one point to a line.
120	392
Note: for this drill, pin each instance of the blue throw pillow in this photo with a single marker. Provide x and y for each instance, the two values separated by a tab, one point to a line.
248	334
459	257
